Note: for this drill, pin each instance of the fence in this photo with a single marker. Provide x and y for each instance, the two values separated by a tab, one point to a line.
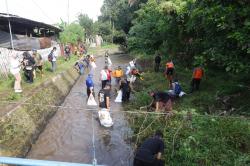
5	55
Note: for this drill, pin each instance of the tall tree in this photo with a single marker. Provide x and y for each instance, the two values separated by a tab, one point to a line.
72	33
86	23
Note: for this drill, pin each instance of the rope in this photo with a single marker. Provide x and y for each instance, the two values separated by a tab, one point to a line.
93	141
129	112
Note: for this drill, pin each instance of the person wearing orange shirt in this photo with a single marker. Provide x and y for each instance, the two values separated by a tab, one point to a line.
118	74
198	73
169	71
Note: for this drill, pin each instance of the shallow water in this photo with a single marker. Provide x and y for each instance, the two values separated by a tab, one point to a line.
68	136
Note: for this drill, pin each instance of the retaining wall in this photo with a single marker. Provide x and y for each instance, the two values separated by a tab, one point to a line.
20	128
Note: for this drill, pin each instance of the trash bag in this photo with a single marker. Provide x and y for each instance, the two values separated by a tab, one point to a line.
182	94
132	79
93	65
91	100
105	118
118	99
109	62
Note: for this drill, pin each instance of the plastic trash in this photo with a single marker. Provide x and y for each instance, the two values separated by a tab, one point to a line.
105	118
118	99
91	100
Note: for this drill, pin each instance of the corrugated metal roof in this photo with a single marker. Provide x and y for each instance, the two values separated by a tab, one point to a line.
25	26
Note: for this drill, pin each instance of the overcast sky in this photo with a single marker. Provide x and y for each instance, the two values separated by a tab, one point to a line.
50	11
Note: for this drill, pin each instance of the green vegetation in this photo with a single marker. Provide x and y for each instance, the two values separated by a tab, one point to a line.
198	140
212	33
200	136
72	33
6	86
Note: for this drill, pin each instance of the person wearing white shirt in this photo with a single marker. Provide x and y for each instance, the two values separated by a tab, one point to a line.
15	67
53	61
104	76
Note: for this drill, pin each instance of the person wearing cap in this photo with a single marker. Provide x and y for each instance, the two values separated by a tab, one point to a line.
38	62
90	85
150	152
104	97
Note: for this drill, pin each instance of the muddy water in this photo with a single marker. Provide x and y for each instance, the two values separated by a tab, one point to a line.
68	136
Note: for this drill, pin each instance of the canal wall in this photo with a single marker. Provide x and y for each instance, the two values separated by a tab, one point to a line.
22	125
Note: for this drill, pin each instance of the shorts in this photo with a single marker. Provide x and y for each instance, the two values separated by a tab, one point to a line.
39	68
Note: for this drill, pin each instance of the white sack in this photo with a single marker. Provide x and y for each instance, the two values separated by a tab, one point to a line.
105	118
118	99
91	100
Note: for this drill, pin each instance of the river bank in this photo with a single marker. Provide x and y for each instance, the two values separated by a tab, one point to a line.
193	135
22	121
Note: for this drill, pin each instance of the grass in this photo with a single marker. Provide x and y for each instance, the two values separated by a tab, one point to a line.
215	87
7	85
195	134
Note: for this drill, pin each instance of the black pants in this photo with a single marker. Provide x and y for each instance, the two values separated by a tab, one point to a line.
104	83
157	67
195	84
125	95
29	75
142	163
88	92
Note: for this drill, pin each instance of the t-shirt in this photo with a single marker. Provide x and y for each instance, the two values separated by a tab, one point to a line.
103	94
67	50
54	55
109	74
198	73
149	148
157	59
38	59
14	66
89	82
104	75
161	96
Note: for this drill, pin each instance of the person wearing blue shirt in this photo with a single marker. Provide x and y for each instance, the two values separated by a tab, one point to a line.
90	85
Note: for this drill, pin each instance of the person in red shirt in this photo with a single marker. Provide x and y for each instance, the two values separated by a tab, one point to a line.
198	73
109	74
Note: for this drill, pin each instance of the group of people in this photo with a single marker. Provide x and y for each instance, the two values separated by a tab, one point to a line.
123	81
30	63
163	99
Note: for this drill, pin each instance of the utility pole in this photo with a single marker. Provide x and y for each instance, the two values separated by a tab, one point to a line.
11	38
68	12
